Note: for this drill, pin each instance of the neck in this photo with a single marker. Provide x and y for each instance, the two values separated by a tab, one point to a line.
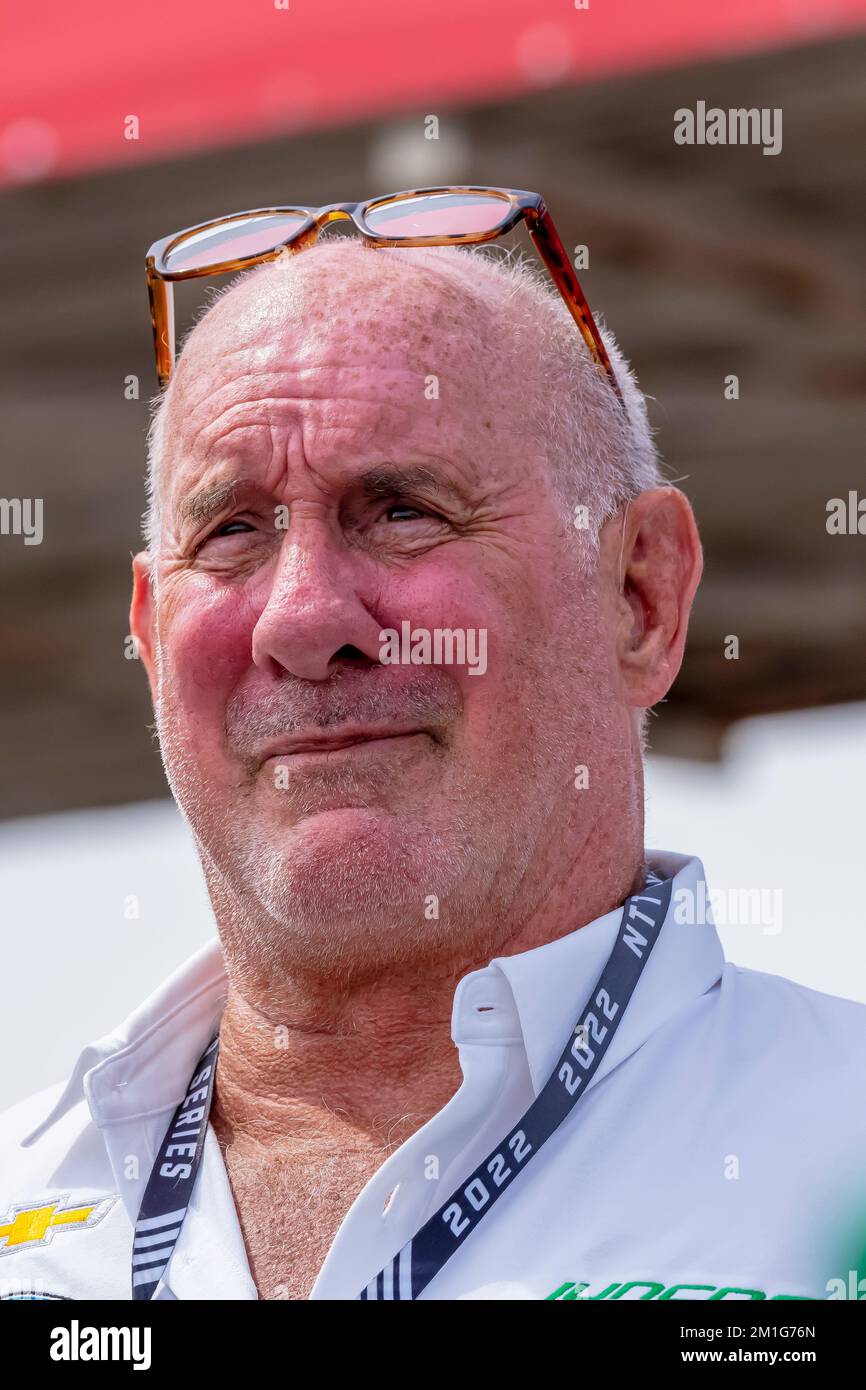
305	1059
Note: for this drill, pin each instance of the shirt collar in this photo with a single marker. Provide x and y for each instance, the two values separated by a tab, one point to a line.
143	1067
539	995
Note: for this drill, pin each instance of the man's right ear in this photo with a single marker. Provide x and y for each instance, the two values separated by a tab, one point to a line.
141	614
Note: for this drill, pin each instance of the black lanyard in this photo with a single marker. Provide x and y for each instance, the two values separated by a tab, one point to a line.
172	1179
169	1188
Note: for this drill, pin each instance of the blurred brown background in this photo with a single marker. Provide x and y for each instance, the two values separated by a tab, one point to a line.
704	261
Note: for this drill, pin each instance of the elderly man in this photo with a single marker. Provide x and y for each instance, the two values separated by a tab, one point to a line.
460	1037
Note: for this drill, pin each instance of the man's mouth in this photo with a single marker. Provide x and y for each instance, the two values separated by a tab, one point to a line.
344	740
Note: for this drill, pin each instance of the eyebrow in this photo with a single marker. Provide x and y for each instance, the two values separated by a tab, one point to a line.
389	478
208	501
384	480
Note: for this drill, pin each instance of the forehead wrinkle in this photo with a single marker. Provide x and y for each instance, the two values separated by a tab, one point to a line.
379	480
333	410
214	434
274	402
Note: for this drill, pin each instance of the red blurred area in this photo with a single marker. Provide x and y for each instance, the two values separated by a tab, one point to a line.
199	74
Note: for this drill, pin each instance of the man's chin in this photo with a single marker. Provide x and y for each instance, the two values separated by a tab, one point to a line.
347	860
336	826
353	887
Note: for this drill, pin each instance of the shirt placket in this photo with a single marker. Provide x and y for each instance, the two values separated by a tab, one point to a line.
210	1259
419	1177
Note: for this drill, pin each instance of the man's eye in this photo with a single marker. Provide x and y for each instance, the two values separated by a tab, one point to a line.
226	529
403	512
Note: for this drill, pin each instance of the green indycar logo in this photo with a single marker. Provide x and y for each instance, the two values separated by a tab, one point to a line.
652	1289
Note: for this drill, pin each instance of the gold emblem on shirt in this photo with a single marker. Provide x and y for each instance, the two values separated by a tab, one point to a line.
29	1226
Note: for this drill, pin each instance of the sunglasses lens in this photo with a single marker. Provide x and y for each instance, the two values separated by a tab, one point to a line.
234	240
438	214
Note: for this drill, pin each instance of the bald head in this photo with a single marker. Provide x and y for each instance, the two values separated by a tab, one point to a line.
492	320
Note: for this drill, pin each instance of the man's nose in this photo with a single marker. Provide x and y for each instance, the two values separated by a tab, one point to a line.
314	610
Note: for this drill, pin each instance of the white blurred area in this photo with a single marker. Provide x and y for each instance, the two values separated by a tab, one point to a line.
783	811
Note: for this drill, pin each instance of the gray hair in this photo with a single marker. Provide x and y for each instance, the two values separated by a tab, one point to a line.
602	452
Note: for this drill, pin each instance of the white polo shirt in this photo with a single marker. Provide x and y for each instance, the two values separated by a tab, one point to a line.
718	1152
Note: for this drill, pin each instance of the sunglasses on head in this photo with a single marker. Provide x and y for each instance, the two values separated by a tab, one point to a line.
419	217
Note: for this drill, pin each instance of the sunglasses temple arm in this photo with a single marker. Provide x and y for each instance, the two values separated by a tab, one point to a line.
547	243
161	295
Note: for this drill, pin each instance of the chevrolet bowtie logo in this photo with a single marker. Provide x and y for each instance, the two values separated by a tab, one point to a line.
36	1225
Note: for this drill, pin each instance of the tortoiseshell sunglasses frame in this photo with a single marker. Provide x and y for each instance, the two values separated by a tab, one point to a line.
520	206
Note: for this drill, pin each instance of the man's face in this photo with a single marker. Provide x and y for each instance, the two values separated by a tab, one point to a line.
357	460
